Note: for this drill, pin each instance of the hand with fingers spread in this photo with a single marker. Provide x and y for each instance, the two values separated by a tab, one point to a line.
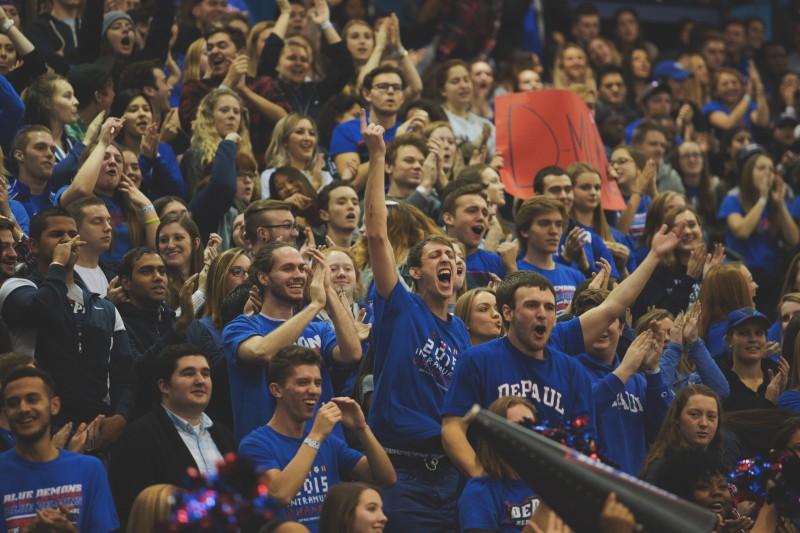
635	357
148	146
716	259
373	136
653	352
508	251
137	197
697	262
362	328
665	241
66	252
573	251
603	276
777	381
170	126
691	324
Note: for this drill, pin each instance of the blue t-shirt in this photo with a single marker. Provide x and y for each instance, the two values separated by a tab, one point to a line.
630	243
78	482
269	450
415	355
558	386
347	138
251	401
33	203
715	338
564	279
479	263
629	414
716	105
794	210
594	248
20	215
760	250
640	217
789	401
489	504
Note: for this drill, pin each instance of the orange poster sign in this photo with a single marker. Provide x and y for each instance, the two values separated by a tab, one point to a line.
554	127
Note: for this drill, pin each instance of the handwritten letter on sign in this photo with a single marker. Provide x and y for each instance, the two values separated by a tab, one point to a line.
542	128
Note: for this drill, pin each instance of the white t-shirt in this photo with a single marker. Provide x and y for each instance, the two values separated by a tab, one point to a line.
94	279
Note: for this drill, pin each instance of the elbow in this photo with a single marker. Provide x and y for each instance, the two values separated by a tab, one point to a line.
282	499
389	479
739	233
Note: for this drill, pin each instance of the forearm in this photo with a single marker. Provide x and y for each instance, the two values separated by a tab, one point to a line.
381	470
270	111
331	35
375	209
261	349
413	80
626	216
85	180
373	62
788	226
285	486
743	226
761	118
708	369
21	43
670	359
457	446
626	292
348	347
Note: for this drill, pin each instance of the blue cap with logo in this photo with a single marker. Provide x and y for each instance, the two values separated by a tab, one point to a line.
740	316
672	70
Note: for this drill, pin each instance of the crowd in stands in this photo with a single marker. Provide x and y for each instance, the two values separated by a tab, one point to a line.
289	240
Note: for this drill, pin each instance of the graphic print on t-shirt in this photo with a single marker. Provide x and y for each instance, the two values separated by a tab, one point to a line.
519	513
307	505
437	359
19	508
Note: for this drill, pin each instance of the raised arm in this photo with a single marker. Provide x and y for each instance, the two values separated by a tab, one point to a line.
86	178
595	321
375	467
381	255
789	229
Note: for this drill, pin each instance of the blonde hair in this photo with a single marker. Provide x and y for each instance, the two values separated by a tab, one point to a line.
215	283
205	135
277	154
697	92
191	65
560	79
152	508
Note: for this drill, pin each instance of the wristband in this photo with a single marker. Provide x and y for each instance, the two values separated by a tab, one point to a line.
402	52
7	25
325	25
653	372
147	208
311	443
762	200
154	220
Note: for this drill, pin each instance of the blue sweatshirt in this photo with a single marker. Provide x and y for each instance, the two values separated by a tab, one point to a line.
708	372
629	414
162	176
790	401
211	203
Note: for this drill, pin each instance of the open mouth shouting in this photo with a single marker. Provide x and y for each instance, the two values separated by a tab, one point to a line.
444	275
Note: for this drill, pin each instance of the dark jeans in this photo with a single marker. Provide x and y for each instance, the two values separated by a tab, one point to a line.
423	501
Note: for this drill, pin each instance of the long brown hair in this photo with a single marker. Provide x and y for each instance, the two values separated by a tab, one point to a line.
669	219
215	283
670	437
599	223
175	278
339	510
655	215
724	289
749	195
496	466
791	276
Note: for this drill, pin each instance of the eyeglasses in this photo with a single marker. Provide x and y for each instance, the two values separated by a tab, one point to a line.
384	87
619	162
286	226
691	155
238	272
247	175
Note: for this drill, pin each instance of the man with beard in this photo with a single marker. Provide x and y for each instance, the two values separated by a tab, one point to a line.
383	91
250	342
173	436
8	252
42	485
416	344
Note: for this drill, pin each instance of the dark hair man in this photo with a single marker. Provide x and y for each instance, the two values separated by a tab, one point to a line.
416	343
269	220
42	485
33	153
77	336
174	435
8	252
281	273
299	464
339	208
95	228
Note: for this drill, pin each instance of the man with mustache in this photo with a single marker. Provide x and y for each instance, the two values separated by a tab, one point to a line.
174	435
8	253
42	485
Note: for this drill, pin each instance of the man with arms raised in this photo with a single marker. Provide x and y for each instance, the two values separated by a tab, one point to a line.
416	344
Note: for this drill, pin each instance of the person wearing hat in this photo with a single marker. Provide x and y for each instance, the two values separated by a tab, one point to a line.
755	380
736	102
656	106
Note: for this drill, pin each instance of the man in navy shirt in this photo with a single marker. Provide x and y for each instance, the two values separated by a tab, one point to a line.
383	91
465	214
299	465
540	222
532	360
250	342
34	154
42	485
416	343
629	393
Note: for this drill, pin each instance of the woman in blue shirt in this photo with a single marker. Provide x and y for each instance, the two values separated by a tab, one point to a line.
735	103
725	288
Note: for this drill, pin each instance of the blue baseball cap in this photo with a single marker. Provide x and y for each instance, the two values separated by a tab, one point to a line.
672	70
740	316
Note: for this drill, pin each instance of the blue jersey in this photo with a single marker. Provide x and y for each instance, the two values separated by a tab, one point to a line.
760	249
565	281
270	450
629	414
636	228
415	355
346	138
790	401
251	400
557	386
481	262
594	248
489	504
78	482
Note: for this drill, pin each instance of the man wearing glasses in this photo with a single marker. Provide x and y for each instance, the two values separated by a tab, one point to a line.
266	221
383	91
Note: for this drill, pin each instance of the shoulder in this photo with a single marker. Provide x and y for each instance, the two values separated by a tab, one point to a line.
569	272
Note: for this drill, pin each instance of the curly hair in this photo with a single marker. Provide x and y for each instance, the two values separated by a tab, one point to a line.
205	135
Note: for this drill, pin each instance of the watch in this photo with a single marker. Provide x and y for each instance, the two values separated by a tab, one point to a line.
311	442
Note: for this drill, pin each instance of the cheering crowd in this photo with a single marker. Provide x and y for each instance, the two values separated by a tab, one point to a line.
288	239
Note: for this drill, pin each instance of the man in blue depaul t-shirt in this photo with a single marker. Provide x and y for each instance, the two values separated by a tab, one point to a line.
300	465
41	484
251	341
629	393
540	222
531	360
416	344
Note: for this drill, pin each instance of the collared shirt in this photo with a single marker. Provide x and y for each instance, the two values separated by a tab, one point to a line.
199	442
33	203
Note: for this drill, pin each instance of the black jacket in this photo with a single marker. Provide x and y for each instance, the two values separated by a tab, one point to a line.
85	349
151	451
